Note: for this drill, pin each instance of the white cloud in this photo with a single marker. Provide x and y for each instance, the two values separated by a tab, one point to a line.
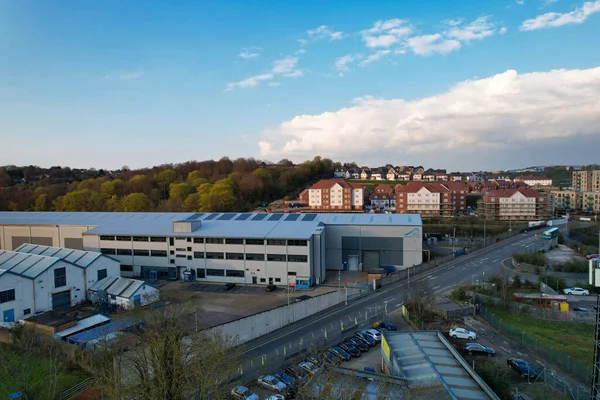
374	57
498	114
476	30
131	75
386	33
274	84
301	51
341	64
520	2
284	67
246	55
502	30
302	41
324	32
427	45
554	19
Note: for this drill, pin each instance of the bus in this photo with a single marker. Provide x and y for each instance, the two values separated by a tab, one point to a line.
550	233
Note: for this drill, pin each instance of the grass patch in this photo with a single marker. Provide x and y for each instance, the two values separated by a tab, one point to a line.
538	258
573	339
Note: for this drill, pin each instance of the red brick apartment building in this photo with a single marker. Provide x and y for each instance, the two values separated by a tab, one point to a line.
432	199
336	195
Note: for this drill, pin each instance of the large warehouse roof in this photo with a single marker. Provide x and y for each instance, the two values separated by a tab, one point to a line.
27	265
250	225
79	258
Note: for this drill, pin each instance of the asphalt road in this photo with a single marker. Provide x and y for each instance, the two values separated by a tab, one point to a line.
267	352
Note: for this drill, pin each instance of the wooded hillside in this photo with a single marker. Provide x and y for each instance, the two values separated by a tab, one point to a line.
222	185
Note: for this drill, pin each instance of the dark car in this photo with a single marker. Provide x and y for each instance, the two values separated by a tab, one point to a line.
580	309
350	348
315	360
476	348
296	372
289	380
330	358
385	325
341	353
228	287
366	338
271	288
359	343
522	367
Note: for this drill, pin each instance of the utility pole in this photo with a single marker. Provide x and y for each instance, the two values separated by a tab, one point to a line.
453	242
484	218
339	279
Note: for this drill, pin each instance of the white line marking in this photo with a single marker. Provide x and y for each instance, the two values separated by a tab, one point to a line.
432	278
496	260
436	287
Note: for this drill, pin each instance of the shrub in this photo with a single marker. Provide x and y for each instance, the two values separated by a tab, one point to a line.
516	281
458	295
538	259
573	265
529	285
497	377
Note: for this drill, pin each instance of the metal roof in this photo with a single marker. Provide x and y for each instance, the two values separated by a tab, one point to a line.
26	265
426	358
98	333
79	258
118	286
82	325
249	225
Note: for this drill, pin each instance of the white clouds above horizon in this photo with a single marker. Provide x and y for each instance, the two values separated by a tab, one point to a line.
126	76
386	33
503	111
284	67
555	19
324	32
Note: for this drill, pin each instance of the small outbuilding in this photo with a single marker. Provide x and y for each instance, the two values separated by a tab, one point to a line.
123	292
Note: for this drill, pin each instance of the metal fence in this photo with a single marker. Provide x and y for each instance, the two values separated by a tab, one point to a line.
75	390
574	368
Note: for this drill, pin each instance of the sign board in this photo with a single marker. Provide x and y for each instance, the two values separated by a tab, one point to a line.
385	348
15	395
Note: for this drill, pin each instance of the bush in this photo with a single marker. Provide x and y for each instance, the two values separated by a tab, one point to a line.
459	295
557	284
573	265
516	281
497	377
529	285
538	259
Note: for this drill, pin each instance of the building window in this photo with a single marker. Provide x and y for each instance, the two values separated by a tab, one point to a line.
278	280
108	251
107	238
126	268
180	256
7	295
276	257
189	240
214	256
60	277
234	241
214	240
172	241
198	254
158	253
27	311
292	273
189	257
102	273
200	273
172	261
234	273
262	280
123	238
172	252
138	252
140	239
255	257
234	256
215	272
124	252
297	258
180	249
158	239
296	242
189	249
180	238
255	241
198	240
275	242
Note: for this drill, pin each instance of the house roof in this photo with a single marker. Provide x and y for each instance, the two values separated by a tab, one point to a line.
118	286
80	258
505	193
456	185
414	187
29	266
384	188
329	183
533	178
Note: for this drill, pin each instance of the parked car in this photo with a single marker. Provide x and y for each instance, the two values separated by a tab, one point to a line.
350	348
316	359
289	380
374	333
330	359
309	367
271	288
590	256
296	372
577	291
522	367
359	343
368	339
242	392
276	397
270	382
462	333
386	325
476	348
580	309
341	353
228	286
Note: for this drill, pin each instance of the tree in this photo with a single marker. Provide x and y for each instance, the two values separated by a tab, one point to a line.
78	200
136	202
180	191
418	300
164	179
220	197
191	203
42	203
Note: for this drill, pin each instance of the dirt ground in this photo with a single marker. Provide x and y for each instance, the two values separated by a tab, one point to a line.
562	254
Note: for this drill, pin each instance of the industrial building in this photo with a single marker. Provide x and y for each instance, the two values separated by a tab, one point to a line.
254	248
122	292
37	278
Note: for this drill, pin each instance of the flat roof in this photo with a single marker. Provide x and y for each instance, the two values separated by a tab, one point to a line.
426	358
83	324
253	225
104	330
57	318
79	258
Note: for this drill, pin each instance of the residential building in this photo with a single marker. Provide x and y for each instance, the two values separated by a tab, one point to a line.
392	174
353	173
455	177
383	188
515	204
428	199
459	191
123	292
336	195
534	181
428	176
571	201
586	180
250	248
365	174
340	173
303	197
441	175
379	174
404	174
416	176
383	200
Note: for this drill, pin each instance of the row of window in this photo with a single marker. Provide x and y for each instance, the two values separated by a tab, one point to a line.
209	255
270	242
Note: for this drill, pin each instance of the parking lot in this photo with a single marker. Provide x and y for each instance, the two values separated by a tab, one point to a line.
241	289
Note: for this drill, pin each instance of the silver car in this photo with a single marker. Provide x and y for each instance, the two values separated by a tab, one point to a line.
269	382
374	333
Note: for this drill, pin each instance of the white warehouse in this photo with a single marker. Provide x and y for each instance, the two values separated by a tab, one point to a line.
33	281
256	248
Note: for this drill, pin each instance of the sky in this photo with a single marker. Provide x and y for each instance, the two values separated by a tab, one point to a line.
469	85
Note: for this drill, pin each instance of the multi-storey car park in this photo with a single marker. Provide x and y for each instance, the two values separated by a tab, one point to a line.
253	248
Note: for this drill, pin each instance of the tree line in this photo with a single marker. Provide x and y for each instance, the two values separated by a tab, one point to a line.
220	186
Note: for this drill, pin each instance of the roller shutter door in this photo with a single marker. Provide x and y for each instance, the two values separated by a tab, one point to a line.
62	299
370	260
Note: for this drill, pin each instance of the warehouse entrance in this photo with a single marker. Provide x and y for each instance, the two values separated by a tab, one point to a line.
370	260
62	299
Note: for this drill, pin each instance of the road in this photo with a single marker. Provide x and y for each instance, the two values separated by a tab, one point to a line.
269	352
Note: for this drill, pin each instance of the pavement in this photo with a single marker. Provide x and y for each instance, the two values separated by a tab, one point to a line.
328	327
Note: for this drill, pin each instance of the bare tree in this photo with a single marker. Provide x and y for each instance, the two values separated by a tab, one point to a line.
418	299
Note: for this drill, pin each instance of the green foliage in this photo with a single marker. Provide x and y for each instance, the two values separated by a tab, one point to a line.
136	202
573	265
472	200
459	295
529	285
516	282
180	191
538	258
497	377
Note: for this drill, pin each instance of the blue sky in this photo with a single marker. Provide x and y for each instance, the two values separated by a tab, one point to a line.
140	83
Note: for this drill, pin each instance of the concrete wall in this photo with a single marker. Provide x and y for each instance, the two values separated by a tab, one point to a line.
12	236
44	286
23	295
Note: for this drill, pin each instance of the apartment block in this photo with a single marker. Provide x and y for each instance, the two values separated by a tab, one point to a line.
336	195
515	204
586	180
427	199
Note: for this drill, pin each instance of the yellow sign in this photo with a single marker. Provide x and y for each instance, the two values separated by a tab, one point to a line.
385	347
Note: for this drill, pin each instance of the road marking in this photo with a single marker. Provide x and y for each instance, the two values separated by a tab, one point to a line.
433	277
496	260
435	287
483	259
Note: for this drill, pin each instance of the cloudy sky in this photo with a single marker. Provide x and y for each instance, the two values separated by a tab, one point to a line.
463	85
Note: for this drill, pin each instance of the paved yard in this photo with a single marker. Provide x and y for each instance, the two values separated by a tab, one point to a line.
217	288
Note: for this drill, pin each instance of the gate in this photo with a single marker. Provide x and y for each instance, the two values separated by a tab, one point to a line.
370	260
62	299
353	263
